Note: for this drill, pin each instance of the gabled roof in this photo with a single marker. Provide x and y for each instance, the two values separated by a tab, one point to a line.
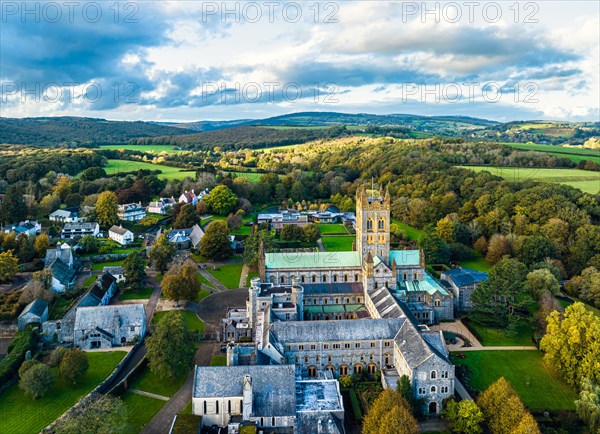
196	235
465	276
104	316
333	288
119	230
36	307
90	226
312	260
385	303
63	273
66	212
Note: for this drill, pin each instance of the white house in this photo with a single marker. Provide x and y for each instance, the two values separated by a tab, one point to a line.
132	212
109	326
67	215
161	206
78	230
188	197
120	235
34	312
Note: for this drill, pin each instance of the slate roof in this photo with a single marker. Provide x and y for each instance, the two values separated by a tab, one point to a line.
465	276
36	307
405	258
385	303
331	331
333	288
312	260
103	316
90	226
63	273
118	230
273	386
66	212
114	270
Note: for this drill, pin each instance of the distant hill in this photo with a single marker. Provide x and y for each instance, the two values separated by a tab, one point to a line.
74	131
207	125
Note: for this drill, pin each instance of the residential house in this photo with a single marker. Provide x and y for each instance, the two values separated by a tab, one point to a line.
161	206
64	267
185	239
120	235
31	228
188	198
116	271
101	291
462	282
285	217
132	212
34	312
78	230
109	326
67	215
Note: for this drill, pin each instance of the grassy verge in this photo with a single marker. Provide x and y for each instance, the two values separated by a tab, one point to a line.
141	409
190	318
338	243
202	294
228	275
412	233
129	294
20	414
494	337
479	264
203	280
89	281
149	382
538	387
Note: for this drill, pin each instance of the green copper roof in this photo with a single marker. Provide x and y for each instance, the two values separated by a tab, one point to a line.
428	284
312	260
405	258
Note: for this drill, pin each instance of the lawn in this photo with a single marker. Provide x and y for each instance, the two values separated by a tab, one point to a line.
412	233
89	281
338	243
156	149
149	382
167	172
218	361
140	410
586	181
60	306
129	294
202	294
479	264
203	280
494	337
333	229
20	414
228	275
538	387
191	320
98	266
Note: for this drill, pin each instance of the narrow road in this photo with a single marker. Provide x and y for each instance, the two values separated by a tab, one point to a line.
153	300
243	276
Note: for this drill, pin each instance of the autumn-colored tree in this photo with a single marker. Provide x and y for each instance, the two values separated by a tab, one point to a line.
8	266
161	254
107	209
74	365
498	247
389	409
181	282
398	420
464	417
41	244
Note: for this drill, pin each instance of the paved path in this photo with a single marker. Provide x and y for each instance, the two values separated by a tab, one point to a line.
153	300
213	280
244	276
433	425
320	244
161	422
460	389
149	395
457	327
515	348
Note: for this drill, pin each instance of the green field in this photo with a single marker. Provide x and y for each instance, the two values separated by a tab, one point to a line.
586	181
167	172
149	382
538	387
332	229
228	275
129	294
250	176
572	153
156	149
494	337
140	410
338	243
479	264
191	320
412	233
20	414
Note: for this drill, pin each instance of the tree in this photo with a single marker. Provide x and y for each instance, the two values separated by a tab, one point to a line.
571	344
252	247
405	389
33	290
215	243
186	218
464	417
588	404
497	248
181	283
41	244
13	208
436	251
290	233
535	248
586	286
107	209
502	301
378	420
310	233
134	269
235	221
540	281
74	365
170	349
8	266
100	414
162	253
93	173
37	380
481	245
88	244
56	356
221	200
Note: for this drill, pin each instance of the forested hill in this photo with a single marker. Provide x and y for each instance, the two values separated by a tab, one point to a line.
74	131
248	137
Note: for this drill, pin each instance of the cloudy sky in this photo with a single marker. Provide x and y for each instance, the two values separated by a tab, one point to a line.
184	61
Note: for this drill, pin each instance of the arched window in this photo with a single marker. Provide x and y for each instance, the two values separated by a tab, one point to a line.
381	224
343	370
433	375
433	389
386	358
437	303
329	358
314	279
273	421
416	276
282	279
335	278
305	359
356	277
345	277
318	359
312	371
296	359
369	224
330	368
371	368
324	278
358	369
404	276
302	278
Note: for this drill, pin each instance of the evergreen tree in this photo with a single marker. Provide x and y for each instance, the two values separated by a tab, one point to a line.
13	208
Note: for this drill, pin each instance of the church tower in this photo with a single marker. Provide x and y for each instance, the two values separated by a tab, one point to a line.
373	224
